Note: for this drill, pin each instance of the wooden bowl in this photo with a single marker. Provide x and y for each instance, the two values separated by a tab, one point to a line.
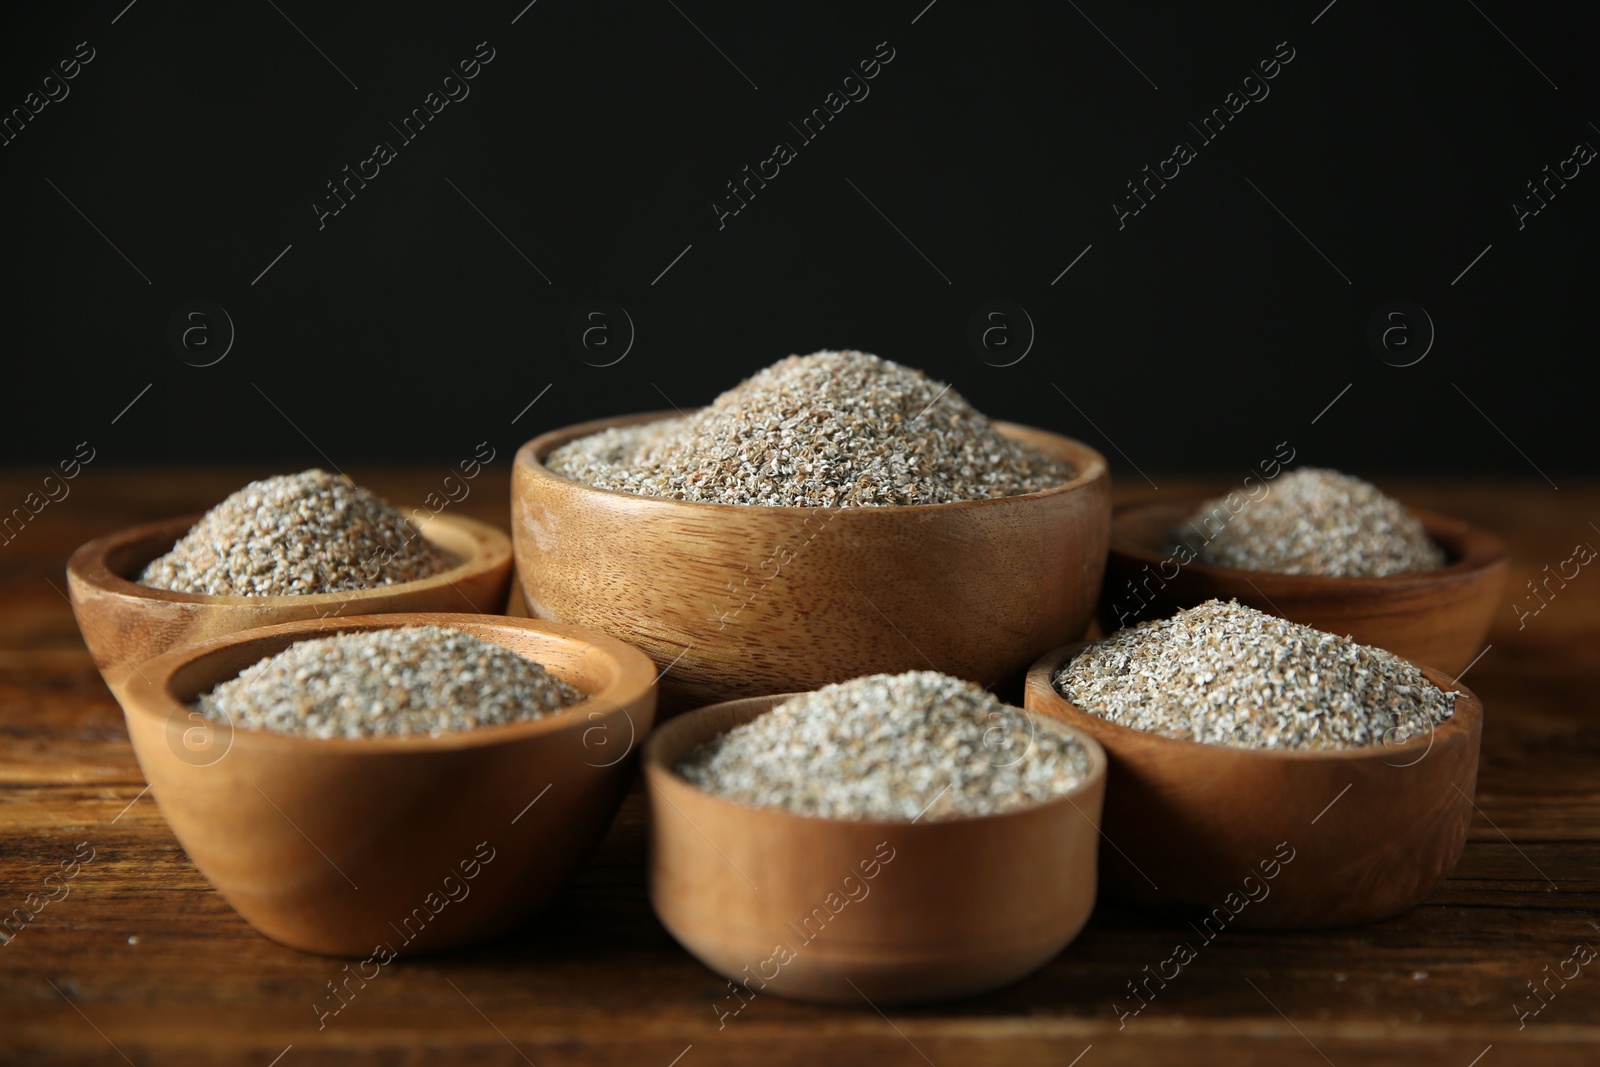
338	846
125	623
733	601
841	911
1331	837
1439	617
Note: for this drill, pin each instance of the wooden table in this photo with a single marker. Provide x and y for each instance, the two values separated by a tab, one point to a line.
141	961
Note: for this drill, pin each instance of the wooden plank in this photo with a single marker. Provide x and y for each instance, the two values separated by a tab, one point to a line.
142	958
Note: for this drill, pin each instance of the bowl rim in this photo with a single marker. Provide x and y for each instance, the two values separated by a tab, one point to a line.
1089	467
657	773
1483	550
151	695
1466	717
491	548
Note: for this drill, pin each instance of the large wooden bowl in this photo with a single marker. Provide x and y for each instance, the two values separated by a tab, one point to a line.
339	846
734	601
1438	617
125	623
851	912
1367	832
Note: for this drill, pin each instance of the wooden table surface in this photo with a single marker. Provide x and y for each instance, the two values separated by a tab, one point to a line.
141	962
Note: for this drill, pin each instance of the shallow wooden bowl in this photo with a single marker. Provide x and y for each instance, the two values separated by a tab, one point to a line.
125	623
340	846
1328	837
736	601
1438	617
843	911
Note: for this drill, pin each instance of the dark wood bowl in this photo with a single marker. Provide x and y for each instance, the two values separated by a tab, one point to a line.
1369	831
735	601
1437	617
341	845
879	911
125	623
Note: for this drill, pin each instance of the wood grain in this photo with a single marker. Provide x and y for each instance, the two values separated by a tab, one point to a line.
1204	831
748	601
1435	618
810	908
597	979
125	623
370	846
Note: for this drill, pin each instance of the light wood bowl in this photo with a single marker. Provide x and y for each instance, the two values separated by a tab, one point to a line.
1438	617
331	845
1372	830
959	906
733	601
125	623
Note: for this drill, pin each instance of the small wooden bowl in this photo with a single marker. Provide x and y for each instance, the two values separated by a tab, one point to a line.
1438	617
739	601
337	846
125	623
882	911
1369	831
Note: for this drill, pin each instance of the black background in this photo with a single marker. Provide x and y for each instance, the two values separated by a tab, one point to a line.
997	139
